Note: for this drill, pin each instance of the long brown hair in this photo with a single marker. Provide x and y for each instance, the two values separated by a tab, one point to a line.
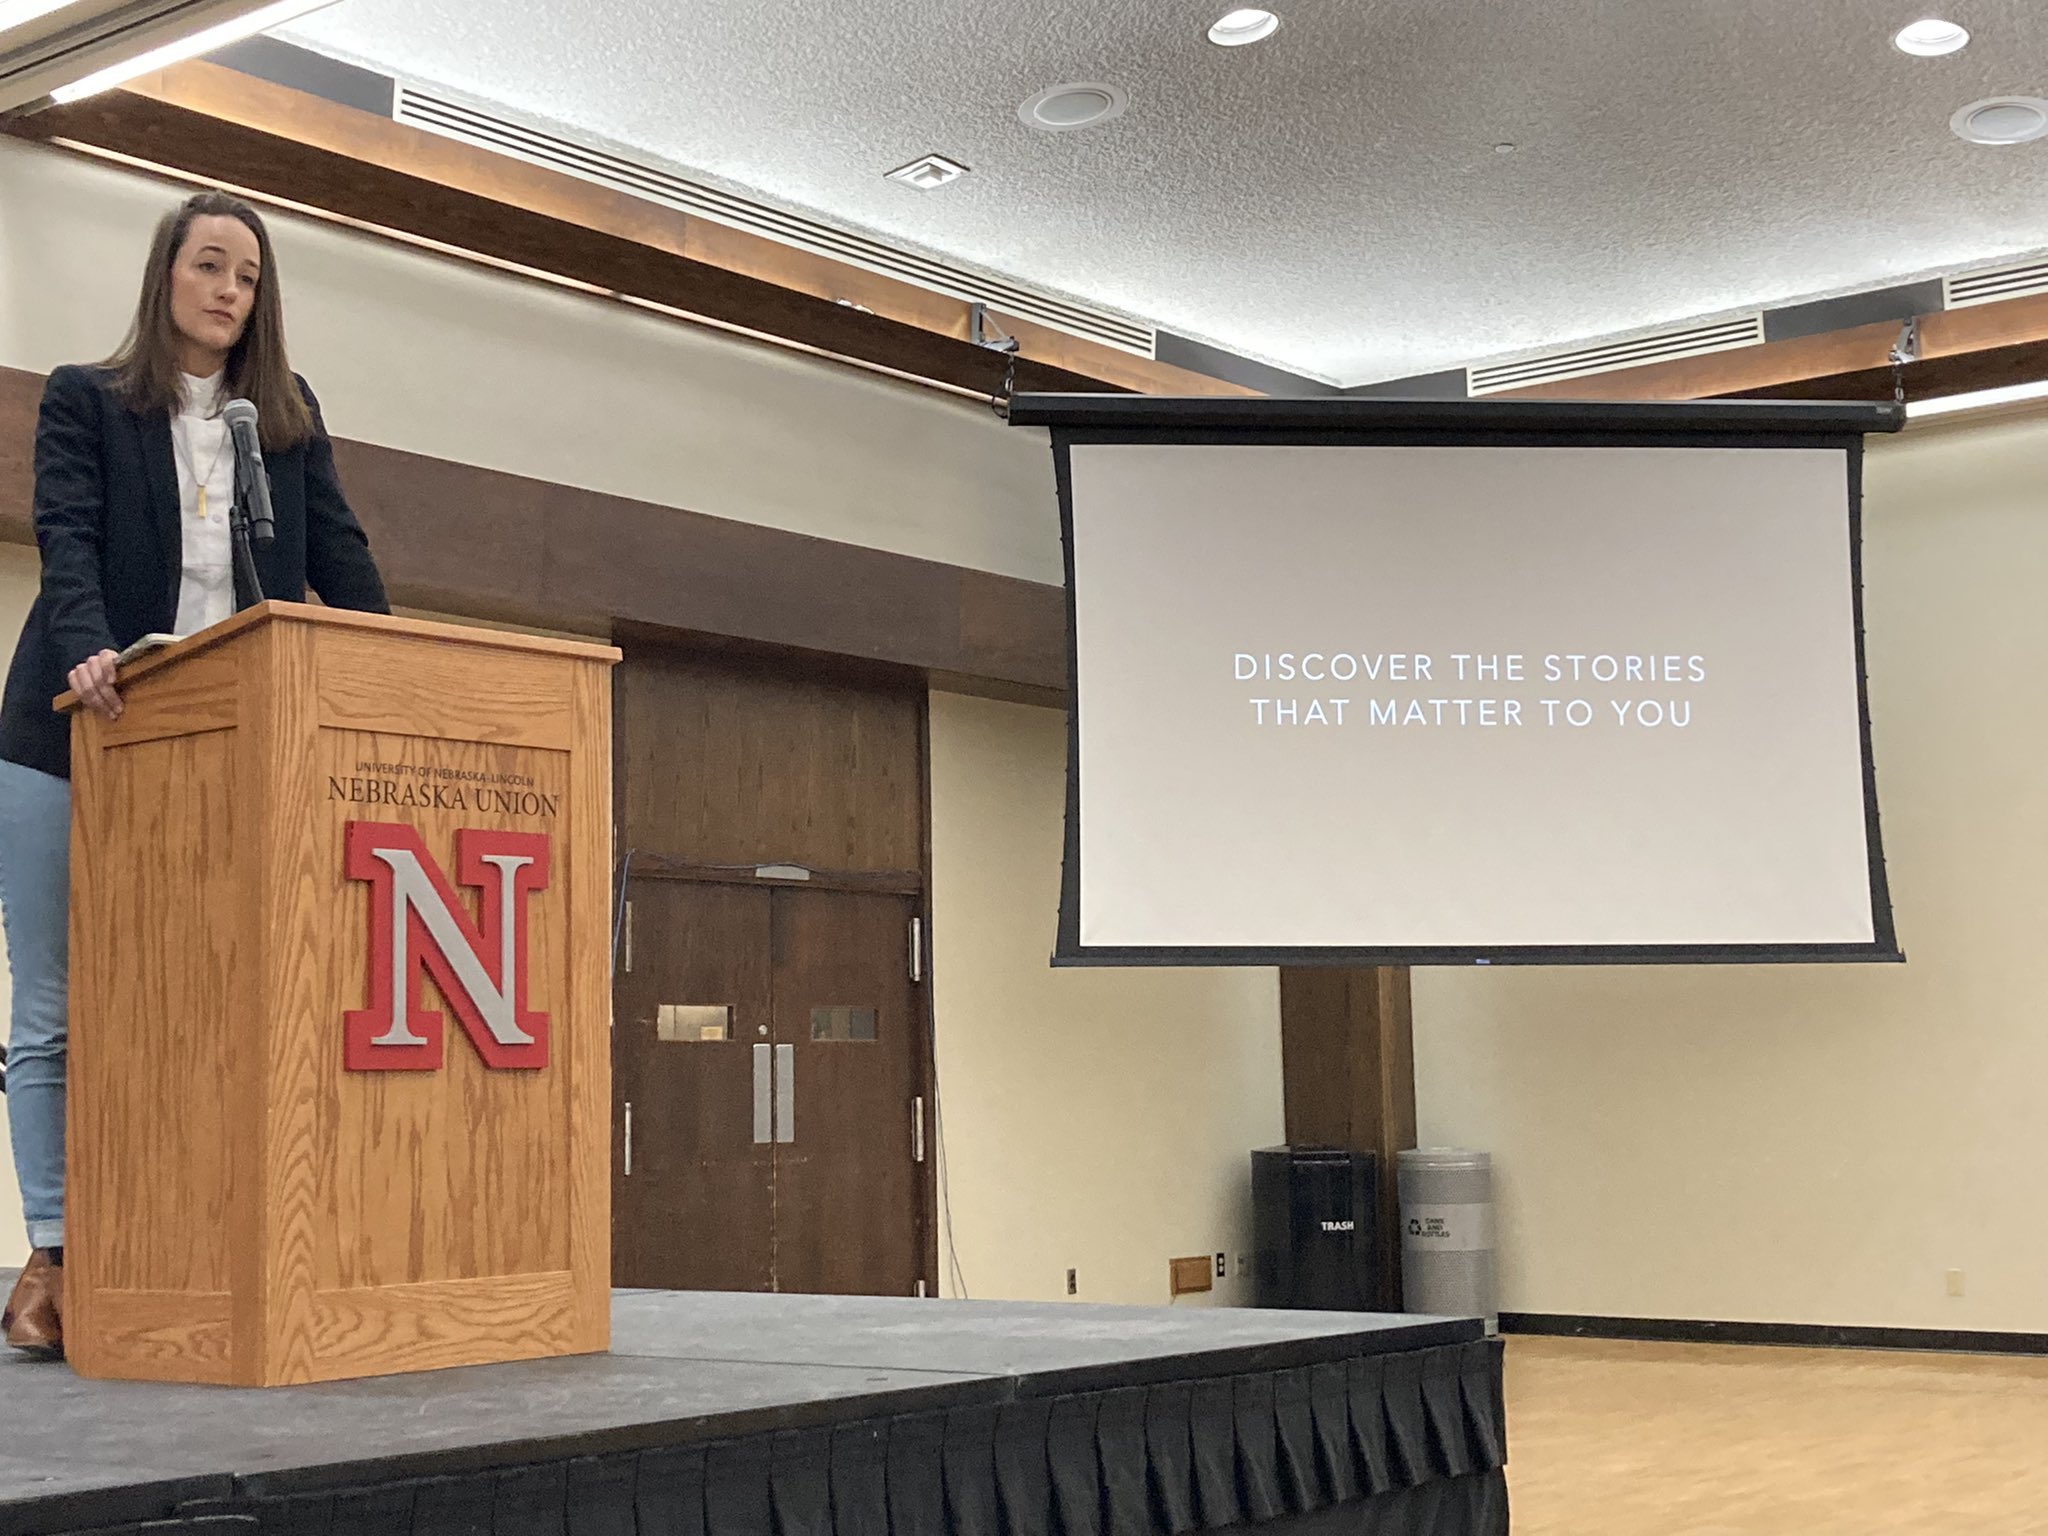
147	376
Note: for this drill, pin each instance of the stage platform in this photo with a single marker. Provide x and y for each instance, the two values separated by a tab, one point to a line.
747	1415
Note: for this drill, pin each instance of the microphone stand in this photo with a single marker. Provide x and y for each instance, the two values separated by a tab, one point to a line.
248	585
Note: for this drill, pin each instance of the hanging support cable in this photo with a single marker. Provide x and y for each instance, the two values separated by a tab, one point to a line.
983	333
1905	350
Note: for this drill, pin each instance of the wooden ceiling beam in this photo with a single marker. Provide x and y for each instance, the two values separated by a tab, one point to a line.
1953	373
206	121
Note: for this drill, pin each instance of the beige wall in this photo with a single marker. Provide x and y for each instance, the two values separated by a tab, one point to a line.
1810	1143
1098	1120
436	356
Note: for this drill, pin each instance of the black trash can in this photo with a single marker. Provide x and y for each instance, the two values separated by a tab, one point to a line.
1315	1228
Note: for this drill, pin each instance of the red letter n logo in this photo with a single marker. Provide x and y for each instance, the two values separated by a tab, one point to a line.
418	925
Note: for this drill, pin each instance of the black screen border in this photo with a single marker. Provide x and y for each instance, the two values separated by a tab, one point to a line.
1759	425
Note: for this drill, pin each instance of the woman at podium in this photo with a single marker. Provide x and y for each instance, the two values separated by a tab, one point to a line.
135	473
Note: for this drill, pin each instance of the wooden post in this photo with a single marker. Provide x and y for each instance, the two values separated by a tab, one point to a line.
1348	1078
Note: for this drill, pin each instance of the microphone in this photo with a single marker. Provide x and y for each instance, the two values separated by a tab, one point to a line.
252	481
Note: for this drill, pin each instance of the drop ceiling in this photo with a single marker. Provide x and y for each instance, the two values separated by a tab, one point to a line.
1332	200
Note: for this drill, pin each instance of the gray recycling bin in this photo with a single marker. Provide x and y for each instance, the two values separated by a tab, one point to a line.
1447	1259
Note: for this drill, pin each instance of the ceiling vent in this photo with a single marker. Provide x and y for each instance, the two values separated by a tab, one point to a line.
1583	362
456	120
1995	283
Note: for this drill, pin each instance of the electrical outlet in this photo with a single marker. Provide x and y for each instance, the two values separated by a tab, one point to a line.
1955	1282
1222	1269
1244	1263
1073	1286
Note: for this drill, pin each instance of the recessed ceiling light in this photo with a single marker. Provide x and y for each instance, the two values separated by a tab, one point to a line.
1241	27
2002	120
928	172
1930	39
1064	108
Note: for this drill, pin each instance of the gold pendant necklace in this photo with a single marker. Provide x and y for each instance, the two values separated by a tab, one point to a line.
199	482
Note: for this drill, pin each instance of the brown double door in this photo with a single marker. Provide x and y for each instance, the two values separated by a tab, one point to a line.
770	1048
766	1056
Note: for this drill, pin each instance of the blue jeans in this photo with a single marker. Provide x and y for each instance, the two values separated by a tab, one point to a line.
35	909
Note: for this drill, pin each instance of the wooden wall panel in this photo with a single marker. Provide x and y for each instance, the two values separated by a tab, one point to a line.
159	1335
458	539
473	1182
587	885
165	950
1015	631
435	1327
456	1242
171	924
298	891
725	762
515	701
21	395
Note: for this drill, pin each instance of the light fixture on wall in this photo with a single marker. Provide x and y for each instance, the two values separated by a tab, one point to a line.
19	13
206	40
1977	400
1931	38
1242	27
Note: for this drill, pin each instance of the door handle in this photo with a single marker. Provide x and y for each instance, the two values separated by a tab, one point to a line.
761	1099
785	1093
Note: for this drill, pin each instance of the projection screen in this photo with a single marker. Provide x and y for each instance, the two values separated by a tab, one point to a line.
1474	682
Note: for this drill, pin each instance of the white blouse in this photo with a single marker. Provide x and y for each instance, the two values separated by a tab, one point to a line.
206	487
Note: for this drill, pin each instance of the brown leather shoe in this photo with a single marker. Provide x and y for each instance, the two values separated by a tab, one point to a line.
35	1312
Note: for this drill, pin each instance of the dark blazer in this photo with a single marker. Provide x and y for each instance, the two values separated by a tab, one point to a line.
107	523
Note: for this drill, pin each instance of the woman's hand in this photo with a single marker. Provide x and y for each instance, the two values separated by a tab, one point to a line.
93	681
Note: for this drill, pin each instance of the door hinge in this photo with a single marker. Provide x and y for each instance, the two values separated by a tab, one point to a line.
917	949
917	1129
629	1138
626	943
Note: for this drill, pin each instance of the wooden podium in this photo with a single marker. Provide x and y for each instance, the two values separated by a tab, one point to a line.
340	1083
